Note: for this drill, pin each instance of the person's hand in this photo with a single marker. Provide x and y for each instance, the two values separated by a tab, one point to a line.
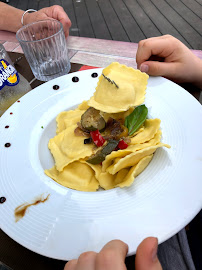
112	257
168	57
53	12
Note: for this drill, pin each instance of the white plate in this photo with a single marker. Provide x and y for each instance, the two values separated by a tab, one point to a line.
161	201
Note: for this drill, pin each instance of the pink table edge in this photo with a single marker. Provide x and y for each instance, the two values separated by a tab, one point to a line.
86	46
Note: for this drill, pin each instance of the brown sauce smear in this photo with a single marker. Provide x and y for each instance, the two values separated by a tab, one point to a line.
20	211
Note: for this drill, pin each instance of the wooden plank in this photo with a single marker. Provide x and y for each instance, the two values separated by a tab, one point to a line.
13	3
22	4
43	3
83	21
100	60
115	27
33	4
98	23
145	23
164	26
195	6
102	46
55	2
187	14
69	9
185	29
129	23
190	15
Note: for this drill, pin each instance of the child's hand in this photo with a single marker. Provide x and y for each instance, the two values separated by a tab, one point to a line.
168	57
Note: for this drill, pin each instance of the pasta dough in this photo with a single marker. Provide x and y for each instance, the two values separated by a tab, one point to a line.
131	92
120	167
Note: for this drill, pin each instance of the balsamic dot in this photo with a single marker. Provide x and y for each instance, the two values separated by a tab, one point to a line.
11	113
6	126
2	199
7	144
75	79
94	75
18	101
56	87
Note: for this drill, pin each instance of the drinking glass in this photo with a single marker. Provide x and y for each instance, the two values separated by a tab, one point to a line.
45	48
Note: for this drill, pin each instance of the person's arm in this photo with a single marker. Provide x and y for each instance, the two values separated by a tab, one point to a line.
10	17
168	57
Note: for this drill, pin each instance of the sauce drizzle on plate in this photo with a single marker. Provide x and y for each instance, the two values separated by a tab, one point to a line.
20	211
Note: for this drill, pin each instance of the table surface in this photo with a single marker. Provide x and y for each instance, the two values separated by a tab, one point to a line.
96	52
82	51
89	51
135	20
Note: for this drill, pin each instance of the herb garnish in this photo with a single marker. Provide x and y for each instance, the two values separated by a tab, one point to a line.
136	119
109	80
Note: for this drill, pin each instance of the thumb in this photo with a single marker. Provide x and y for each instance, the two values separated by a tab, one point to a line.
146	256
155	68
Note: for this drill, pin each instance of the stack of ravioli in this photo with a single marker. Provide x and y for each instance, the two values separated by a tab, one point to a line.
119	168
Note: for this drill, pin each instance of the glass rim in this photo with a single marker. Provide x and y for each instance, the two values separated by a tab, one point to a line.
37	22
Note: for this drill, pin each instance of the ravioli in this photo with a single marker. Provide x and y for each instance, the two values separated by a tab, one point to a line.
133	158
151	126
83	105
130	92
71	176
125	177
66	148
121	166
120	115
111	158
68	118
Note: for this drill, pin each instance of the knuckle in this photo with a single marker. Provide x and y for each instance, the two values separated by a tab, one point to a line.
57	7
69	265
87	257
171	39
156	69
106	258
141	42
147	44
168	36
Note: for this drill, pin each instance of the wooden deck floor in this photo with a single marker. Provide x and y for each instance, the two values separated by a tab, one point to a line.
130	20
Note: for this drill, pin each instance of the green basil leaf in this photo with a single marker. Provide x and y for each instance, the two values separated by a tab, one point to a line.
134	120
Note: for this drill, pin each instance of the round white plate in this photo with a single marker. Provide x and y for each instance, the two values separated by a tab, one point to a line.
160	202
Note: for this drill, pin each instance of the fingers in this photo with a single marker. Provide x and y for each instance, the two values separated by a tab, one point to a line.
168	57
71	265
59	14
54	12
86	261
155	68
153	38
112	256
146	256
161	46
